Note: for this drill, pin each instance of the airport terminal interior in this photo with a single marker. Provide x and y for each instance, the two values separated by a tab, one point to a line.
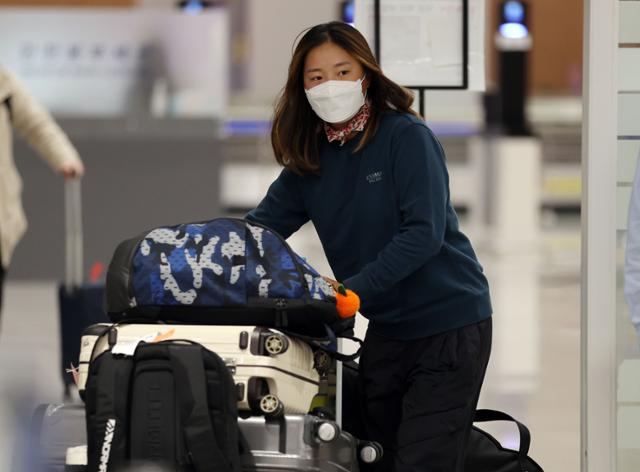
170	104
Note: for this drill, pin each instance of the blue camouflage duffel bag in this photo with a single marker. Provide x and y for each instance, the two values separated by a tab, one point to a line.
219	272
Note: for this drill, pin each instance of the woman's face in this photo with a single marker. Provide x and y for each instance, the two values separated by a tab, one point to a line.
330	62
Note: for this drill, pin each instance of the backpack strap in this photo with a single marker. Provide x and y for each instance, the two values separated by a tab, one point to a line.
107	434
191	392
483	416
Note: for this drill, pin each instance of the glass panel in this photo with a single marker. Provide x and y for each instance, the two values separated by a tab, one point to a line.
627	159
628	391
629	114
623	196
629	69
629	21
627	349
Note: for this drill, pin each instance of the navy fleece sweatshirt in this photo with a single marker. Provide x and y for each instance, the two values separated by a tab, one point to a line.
388	229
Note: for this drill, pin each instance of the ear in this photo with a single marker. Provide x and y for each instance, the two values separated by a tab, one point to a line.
365	84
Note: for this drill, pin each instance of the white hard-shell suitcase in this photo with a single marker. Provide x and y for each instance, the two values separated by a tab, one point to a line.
274	373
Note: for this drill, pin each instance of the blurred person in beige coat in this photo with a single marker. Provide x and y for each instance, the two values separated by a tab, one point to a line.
19	110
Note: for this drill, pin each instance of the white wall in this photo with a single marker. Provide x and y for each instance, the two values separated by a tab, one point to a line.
272	26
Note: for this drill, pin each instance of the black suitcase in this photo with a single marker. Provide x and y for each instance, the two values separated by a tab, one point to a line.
80	304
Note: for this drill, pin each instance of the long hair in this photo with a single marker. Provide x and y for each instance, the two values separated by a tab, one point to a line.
296	127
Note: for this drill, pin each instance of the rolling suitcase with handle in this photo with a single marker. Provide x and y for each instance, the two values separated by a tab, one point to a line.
274	373
80	304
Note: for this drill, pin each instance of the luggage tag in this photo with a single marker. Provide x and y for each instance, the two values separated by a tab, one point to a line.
128	348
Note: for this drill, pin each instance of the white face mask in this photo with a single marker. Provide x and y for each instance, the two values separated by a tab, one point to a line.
336	101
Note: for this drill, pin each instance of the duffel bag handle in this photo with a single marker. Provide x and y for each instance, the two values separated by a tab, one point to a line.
484	416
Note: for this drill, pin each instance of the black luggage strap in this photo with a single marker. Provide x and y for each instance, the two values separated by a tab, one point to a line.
483	416
325	344
189	374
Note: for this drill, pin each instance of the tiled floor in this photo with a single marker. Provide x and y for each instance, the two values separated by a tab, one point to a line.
533	374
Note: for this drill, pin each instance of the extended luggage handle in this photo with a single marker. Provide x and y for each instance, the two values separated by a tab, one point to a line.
74	257
484	416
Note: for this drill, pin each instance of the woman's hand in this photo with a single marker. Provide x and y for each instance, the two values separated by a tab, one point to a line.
347	301
72	170
334	283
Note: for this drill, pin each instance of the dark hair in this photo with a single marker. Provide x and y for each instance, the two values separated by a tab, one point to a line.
295	130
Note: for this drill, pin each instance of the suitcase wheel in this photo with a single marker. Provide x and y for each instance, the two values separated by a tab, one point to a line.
275	344
271	406
327	431
370	452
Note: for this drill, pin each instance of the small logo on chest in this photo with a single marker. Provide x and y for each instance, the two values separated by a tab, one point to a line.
374	177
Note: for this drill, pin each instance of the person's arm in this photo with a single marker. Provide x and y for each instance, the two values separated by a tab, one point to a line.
40	131
421	186
632	257
282	209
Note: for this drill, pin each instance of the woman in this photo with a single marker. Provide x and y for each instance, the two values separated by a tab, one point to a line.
19	110
370	175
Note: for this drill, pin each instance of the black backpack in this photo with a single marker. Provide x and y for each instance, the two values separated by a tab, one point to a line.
171	404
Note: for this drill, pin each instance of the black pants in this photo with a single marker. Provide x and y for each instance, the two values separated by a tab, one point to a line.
419	397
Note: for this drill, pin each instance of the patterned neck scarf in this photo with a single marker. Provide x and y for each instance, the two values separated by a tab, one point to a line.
357	123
